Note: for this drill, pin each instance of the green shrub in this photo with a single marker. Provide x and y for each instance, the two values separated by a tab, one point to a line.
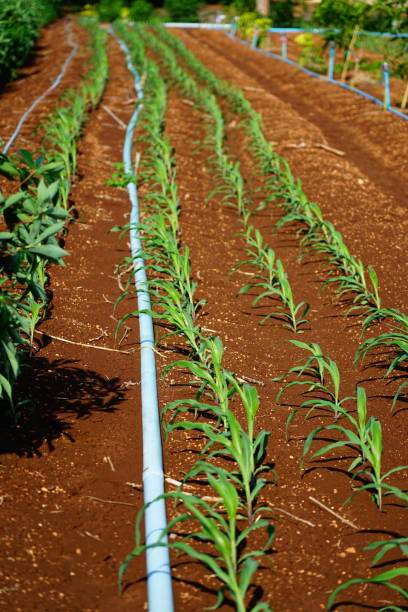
20	22
282	13
140	10
247	23
244	6
182	10
109	10
344	15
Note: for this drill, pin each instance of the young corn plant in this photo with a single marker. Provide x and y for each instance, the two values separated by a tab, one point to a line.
384	578
172	291
396	340
365	436
64	127
241	446
217	528
321	375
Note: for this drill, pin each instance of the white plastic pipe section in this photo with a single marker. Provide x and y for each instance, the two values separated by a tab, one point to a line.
200	26
54	84
159	587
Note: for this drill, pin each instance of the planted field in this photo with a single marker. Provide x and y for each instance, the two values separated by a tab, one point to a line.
272	230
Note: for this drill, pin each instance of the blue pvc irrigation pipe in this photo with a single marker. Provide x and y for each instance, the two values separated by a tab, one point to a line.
334	31
200	26
319	76
228	26
159	587
55	84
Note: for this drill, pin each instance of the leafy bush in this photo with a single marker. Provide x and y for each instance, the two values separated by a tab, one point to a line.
311	54
282	13
20	22
182	10
387	16
140	10
249	21
344	15
244	6
109	10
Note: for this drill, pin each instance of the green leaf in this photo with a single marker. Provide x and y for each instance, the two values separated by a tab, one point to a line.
50	251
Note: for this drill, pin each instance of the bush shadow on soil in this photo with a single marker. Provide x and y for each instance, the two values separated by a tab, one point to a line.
53	391
30	61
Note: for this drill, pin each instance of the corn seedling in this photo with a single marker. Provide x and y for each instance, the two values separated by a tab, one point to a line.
242	447
385	578
396	340
217	528
317	372
366	438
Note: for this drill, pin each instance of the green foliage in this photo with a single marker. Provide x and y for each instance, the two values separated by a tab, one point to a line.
243	6
20	22
248	22
109	10
281	13
34	215
384	578
32	220
319	373
365	435
387	16
182	10
396	340
141	10
344	15
217	527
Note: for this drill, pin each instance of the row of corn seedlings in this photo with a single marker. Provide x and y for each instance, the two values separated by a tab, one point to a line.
280	183
34	215
359	432
347	272
225	525
320	374
362	433
64	126
270	276
367	435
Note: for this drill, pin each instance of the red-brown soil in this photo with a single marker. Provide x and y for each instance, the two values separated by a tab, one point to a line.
63	548
45	65
361	79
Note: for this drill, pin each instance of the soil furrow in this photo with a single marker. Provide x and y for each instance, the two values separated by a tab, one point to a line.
372	137
260	352
45	65
346	196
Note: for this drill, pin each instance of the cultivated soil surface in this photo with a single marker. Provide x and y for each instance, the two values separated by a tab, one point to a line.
67	508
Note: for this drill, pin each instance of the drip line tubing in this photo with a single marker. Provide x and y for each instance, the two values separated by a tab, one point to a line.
159	587
55	84
227	26
319	76
335	31
198	26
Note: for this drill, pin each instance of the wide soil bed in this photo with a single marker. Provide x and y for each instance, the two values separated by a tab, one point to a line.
68	504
